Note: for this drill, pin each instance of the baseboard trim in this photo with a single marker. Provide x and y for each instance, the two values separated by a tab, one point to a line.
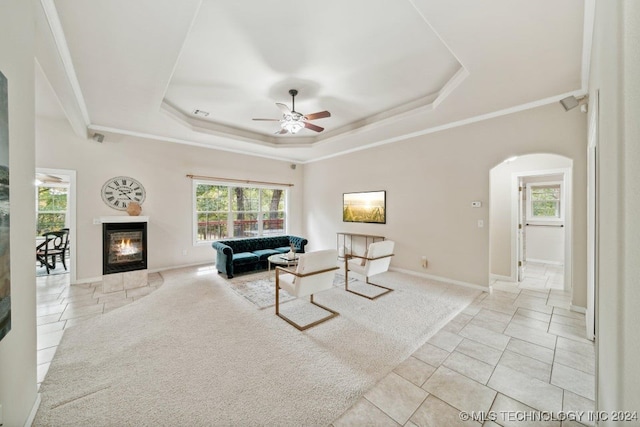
544	261
34	410
174	267
501	277
578	309
443	279
150	270
88	280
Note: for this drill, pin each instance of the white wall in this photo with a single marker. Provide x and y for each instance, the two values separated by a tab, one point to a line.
544	244
614	73
162	168
502	202
431	181
18	391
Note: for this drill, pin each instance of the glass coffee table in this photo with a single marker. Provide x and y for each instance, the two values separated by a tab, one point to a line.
282	261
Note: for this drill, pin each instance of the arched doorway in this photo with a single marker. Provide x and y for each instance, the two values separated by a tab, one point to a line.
530	221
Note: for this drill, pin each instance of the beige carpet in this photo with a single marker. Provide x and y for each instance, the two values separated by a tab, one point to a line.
196	353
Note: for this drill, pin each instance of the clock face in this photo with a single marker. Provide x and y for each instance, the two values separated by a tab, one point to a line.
120	191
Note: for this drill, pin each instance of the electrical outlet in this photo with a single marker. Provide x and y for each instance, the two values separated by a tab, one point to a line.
184	252
424	261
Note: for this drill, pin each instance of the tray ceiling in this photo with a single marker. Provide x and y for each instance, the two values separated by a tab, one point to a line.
385	70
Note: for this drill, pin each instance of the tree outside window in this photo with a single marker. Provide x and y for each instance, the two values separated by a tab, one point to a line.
212	211
52	208
273	211
224	211
545	201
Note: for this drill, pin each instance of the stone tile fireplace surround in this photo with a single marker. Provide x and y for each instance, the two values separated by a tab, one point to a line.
124	252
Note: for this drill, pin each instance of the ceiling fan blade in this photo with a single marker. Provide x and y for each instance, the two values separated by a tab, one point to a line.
267	120
319	115
282	131
283	108
48	178
311	126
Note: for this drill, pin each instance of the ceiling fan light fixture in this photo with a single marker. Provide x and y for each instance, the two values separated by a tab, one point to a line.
293	122
292	125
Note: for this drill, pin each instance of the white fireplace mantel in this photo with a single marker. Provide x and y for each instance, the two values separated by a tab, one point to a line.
120	218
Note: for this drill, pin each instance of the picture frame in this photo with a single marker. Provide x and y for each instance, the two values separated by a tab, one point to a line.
366	206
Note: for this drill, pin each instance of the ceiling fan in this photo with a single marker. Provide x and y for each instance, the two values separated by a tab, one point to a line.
48	179
292	121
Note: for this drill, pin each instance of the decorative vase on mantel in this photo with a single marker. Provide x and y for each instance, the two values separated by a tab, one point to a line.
134	209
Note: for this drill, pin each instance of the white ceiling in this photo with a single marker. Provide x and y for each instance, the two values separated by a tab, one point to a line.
385	70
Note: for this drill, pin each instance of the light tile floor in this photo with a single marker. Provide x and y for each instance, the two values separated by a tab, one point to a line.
60	306
519	348
517	352
542	276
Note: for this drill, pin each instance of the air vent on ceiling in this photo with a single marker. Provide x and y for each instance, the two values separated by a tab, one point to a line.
201	113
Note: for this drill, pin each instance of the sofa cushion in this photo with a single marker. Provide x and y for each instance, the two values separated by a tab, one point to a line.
245	258
265	253
283	250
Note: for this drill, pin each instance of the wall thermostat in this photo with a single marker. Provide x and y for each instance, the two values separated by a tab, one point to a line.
476	204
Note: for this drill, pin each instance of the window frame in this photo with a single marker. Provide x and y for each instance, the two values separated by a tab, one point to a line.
231	212
560	201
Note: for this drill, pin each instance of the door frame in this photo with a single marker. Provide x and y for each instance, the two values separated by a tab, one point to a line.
592	215
567	201
71	207
520	230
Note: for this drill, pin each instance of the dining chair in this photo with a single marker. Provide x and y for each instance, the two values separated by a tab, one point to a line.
55	245
42	253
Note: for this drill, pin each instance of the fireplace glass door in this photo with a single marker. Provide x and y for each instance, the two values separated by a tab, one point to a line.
124	247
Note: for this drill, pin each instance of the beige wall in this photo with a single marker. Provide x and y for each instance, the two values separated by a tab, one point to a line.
162	168
18	348
614	73
431	181
502	200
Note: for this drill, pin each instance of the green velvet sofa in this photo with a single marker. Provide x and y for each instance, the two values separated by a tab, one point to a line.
244	255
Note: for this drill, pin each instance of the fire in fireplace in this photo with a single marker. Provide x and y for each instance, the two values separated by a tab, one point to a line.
124	247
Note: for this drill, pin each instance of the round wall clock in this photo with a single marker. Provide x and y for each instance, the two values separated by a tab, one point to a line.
118	192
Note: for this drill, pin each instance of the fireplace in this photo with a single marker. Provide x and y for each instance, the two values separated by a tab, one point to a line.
124	247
